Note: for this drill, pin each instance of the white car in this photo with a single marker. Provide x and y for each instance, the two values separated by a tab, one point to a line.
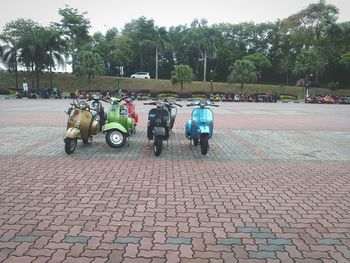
140	75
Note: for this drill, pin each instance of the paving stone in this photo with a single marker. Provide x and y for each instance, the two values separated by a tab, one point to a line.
229	241
279	241
248	230
76	239
127	240
261	254
30	239
271	247
263	235
328	241
178	240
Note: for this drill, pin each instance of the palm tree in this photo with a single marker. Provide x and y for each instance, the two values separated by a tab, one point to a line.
12	34
55	46
33	52
160	41
243	71
182	74
9	56
90	64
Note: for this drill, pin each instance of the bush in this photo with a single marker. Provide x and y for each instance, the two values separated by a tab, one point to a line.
333	85
201	95
166	95
287	97
4	91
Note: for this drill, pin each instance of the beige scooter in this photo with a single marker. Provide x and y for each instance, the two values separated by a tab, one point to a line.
81	124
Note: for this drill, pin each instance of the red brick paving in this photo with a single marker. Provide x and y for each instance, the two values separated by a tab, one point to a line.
47	200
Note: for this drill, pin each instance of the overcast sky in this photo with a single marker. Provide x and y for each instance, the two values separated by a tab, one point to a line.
105	14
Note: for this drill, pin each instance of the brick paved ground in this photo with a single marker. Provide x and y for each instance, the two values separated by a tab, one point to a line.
274	187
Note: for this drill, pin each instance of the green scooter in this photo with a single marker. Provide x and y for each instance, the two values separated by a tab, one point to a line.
119	126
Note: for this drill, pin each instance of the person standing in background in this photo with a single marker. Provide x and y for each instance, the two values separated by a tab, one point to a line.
25	86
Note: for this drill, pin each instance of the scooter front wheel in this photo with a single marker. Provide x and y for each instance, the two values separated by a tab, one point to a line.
70	145
158	144
115	138
204	143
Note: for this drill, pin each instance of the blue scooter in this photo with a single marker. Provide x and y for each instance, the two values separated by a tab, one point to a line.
200	127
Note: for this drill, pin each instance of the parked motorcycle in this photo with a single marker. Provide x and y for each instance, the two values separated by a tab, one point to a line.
98	111
200	128
81	124
131	110
170	105
119	125
158	124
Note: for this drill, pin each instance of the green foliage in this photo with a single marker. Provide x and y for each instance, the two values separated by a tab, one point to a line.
166	95
182	74
345	60
89	64
287	97
309	61
333	85
242	71
75	28
259	60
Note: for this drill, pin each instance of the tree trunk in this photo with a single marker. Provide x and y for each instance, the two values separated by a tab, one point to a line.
181	85
287	79
37	78
51	71
241	88
157	61
16	72
205	66
33	76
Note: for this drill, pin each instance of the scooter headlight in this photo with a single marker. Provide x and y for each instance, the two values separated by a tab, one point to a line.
160	104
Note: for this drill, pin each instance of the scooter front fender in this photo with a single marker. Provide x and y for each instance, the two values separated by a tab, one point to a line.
73	133
114	126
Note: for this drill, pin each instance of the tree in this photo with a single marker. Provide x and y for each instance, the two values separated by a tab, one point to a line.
33	51
309	62
182	74
161	40
260	62
286	66
55	46
75	27
242	71
11	36
345	60
89	64
309	27
142	34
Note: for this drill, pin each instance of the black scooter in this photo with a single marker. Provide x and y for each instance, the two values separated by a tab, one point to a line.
158	124
98	111
173	111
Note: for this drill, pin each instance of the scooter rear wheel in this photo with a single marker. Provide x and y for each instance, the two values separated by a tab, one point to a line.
115	138
195	141
204	143
70	145
158	144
